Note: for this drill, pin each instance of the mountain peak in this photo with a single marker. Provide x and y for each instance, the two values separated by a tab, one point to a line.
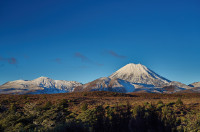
133	64
138	73
131	68
42	78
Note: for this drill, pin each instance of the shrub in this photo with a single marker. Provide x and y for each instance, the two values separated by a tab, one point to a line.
63	104
160	102
137	110
179	102
88	116
2	108
170	103
13	107
84	107
47	105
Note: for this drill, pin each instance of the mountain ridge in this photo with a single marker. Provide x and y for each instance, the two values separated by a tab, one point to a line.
130	78
38	85
107	84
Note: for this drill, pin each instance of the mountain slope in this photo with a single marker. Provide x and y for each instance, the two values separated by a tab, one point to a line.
38	86
107	84
196	84
179	84
137	73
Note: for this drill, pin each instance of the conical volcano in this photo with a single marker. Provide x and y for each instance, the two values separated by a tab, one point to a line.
140	74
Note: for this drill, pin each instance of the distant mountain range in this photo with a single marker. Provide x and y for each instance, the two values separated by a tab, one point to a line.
41	85
130	78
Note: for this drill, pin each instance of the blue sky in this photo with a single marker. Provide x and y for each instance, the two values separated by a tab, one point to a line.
85	40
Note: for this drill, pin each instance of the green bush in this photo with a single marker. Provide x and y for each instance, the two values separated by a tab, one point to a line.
179	101
47	105
84	107
13	107
160	102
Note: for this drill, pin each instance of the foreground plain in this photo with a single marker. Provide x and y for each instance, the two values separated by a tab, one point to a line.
100	111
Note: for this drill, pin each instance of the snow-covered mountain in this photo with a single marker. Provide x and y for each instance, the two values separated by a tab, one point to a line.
107	84
119	85
191	90
38	86
179	84
130	78
196	84
140	74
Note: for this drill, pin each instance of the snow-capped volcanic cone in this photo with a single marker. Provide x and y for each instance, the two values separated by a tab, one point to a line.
130	78
38	86
139	74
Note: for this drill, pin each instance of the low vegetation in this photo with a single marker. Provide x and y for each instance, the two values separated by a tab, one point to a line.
100	111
